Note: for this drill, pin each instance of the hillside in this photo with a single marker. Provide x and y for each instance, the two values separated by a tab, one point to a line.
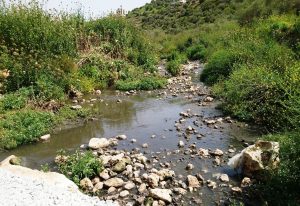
174	16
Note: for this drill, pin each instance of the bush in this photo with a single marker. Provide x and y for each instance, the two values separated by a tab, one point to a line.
219	67
264	96
80	165
17	100
197	52
173	67
25	126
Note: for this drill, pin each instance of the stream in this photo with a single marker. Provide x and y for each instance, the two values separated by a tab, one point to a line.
149	117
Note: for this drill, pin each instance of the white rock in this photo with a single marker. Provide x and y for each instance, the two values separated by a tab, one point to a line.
224	178
96	143
256	158
122	137
203	152
114	182
236	190
190	166
181	144
76	107
217	152
162	194
45	137
124	193
142	188
129	186
153	180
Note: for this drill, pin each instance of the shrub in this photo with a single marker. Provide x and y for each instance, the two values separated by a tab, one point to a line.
197	52
24	126
80	165
267	97
17	100
218	67
173	67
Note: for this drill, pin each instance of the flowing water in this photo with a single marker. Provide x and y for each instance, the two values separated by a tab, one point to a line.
140	117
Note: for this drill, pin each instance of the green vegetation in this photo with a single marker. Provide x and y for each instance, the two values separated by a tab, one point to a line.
175	17
282	186
44	58
251	50
79	165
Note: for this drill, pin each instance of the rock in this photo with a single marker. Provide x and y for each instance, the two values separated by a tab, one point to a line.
181	144
192	181
161	194
98	92
14	160
86	184
208	99
153	180
190	166
200	177
217	152
98	187
203	152
236	190
45	137
120	166
114	182
253	160
211	184
124	193
96	180
217	161
104	175
96	143
231	151
224	178
145	145
246	182
111	190
133	140
122	137
166	174
76	107
142	188
129	186
212	121
180	191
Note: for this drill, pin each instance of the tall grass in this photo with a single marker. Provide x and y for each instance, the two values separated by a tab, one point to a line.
46	56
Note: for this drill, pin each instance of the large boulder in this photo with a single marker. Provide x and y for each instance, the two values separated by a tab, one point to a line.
97	143
51	178
257	158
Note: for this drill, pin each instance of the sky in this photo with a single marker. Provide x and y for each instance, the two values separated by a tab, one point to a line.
94	8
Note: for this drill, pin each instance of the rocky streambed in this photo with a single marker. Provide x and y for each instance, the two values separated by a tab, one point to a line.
175	148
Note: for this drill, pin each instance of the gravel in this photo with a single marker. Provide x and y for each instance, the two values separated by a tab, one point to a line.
21	191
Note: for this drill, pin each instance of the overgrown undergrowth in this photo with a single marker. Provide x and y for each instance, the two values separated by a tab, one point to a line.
47	57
